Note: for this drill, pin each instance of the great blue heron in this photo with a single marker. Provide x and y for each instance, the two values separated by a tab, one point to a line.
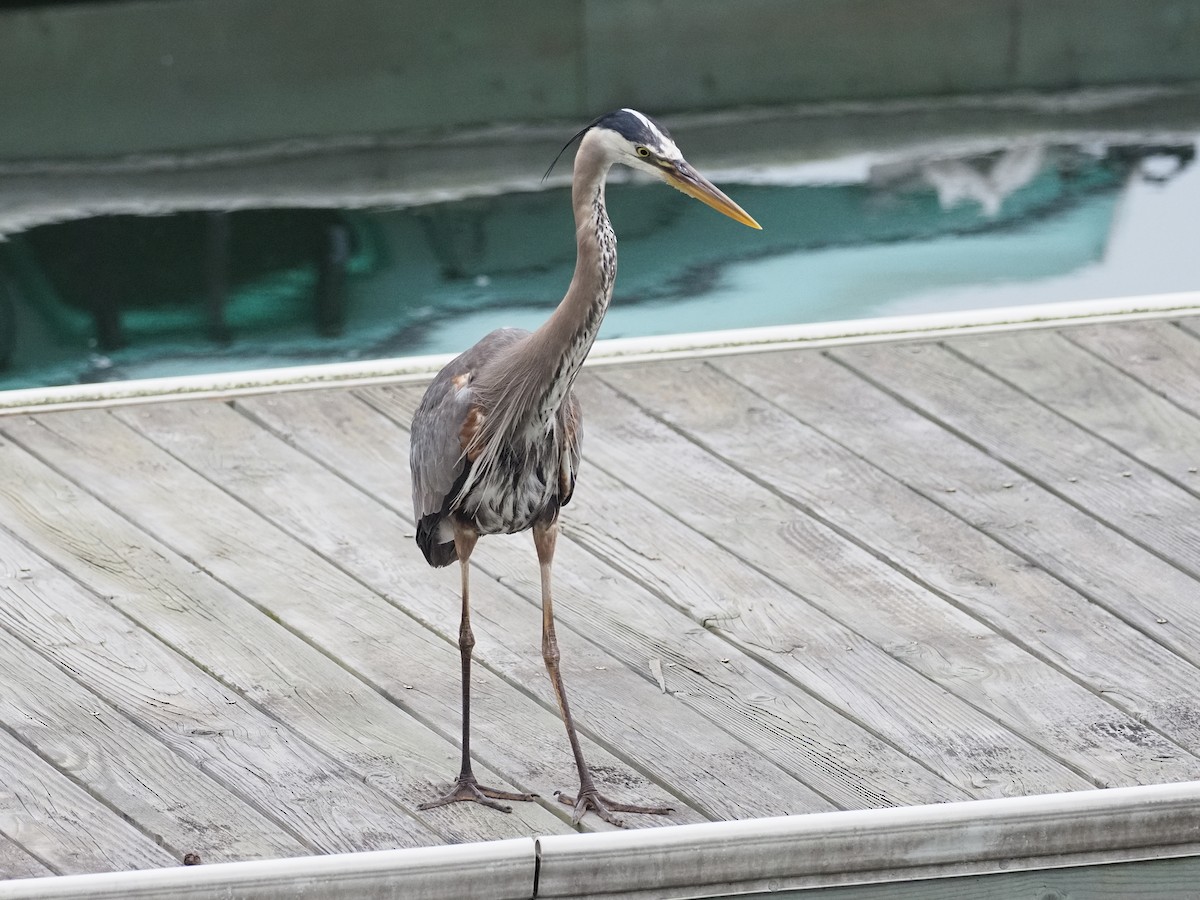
496	438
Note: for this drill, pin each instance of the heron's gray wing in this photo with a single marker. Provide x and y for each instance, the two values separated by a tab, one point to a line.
436	458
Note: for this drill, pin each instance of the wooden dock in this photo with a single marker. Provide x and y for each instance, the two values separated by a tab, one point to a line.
863	576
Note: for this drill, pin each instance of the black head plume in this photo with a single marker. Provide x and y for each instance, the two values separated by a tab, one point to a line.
633	125
578	135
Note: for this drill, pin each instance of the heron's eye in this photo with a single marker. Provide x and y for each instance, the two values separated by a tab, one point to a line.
643	152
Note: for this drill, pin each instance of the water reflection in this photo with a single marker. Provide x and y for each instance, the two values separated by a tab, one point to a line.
133	296
988	179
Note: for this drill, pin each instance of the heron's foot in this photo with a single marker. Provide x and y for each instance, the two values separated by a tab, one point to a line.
466	788
603	807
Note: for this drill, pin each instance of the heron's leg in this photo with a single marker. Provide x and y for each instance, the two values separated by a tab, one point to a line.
544	538
466	787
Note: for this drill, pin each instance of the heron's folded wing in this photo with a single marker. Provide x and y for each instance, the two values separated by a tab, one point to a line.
437	461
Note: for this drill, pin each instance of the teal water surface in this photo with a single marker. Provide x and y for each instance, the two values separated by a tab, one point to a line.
142	296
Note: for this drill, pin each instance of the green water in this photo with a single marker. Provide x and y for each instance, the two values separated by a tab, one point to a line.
142	296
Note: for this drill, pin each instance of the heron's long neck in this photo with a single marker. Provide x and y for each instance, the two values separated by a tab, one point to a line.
567	336
525	388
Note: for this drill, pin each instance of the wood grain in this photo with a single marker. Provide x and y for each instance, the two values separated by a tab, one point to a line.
262	669
1107	638
1096	396
857	583
762	709
93	742
15	862
410	663
788	582
375	739
1064	458
1143	590
623	710
967	748
63	825
1164	356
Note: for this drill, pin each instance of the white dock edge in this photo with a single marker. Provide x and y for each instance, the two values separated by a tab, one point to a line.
715	859
880	845
494	870
711	343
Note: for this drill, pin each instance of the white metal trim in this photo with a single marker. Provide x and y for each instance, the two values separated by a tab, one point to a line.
857	847
496	870
876	845
711	343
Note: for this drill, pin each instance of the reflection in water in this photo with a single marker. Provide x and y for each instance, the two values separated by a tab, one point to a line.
988	182
135	296
119	276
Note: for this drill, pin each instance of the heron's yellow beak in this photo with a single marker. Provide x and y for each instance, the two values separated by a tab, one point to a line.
684	178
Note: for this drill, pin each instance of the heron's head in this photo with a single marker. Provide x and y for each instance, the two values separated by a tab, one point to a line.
635	140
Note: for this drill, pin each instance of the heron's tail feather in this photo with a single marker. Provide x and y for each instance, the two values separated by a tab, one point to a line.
437	552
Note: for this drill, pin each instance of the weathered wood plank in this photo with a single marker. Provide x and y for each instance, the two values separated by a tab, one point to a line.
399	403
15	862
762	620
1066	459
1143	590
375	735
63	825
667	468
1164	356
1095	395
840	759
915	624
405	662
320	795
968	748
624	710
96	745
997	586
